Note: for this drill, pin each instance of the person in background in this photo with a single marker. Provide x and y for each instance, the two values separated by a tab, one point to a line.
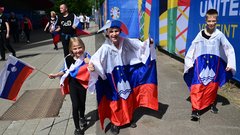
14	27
4	35
66	26
51	26
27	27
81	19
87	21
209	63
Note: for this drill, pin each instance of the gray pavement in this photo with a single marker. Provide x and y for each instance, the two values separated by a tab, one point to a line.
174	112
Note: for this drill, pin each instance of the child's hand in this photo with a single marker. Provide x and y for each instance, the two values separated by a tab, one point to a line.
91	67
86	60
151	41
52	76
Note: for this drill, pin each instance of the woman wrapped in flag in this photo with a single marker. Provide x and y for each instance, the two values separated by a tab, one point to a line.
209	64
51	27
124	76
74	80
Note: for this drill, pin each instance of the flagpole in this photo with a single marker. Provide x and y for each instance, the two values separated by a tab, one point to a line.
41	71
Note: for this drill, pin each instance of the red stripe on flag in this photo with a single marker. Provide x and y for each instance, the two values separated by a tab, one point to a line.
120	112
26	71
83	76
202	96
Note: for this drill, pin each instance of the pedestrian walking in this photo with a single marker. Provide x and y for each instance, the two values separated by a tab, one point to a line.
76	63
27	27
66	25
4	35
209	64
87	21
82	20
115	74
14	27
51	27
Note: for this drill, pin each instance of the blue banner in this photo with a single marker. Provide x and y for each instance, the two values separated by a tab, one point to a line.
154	22
127	12
228	22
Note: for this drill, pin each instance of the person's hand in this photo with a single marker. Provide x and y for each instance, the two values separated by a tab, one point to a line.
52	76
7	35
228	69
86	60
91	67
151	41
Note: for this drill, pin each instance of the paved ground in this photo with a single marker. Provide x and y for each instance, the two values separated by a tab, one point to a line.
173	116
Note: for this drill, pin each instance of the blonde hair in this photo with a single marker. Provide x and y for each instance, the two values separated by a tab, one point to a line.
75	40
53	13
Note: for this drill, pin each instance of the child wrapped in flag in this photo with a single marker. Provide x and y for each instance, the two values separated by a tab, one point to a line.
209	64
124	76
12	76
74	80
51	27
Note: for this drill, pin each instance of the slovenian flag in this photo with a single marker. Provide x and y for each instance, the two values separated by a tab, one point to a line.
77	70
205	64
126	88
12	77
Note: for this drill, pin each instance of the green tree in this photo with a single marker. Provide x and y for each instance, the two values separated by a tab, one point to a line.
76	6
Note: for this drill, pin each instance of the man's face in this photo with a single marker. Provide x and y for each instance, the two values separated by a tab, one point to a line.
63	9
211	22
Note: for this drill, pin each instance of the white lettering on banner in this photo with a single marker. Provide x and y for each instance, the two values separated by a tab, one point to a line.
224	7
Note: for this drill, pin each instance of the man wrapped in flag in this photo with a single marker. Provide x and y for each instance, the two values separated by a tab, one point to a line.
124	76
12	76
209	64
74	80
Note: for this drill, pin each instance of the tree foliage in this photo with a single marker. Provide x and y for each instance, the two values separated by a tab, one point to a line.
77	6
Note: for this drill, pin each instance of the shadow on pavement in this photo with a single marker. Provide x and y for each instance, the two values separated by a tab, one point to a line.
28	55
146	111
91	117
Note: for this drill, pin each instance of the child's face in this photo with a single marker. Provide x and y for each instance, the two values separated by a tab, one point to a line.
113	34
77	49
211	22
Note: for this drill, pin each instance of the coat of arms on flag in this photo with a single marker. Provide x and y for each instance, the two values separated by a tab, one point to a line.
12	76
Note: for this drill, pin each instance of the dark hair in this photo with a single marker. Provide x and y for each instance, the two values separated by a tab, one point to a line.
212	12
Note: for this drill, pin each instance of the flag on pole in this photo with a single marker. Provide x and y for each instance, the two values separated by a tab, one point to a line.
12	76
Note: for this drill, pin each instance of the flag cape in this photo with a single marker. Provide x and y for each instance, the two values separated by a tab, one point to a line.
205	64
124	81
12	77
77	70
56	37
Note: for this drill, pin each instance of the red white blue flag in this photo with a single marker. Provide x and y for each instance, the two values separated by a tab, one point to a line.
125	84
205	68
77	70
56	37
12	76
